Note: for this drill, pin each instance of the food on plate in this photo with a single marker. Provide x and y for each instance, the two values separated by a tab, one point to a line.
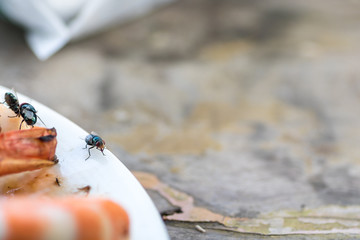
42	204
81	218
24	150
30	143
10	165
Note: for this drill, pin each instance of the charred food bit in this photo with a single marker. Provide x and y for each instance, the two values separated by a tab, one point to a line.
85	189
57	182
94	140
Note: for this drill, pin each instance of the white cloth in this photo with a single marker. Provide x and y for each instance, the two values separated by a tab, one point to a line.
50	24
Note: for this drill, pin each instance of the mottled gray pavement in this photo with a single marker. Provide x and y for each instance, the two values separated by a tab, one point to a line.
250	107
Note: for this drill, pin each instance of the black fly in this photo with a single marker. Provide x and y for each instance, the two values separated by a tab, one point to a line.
25	110
13	103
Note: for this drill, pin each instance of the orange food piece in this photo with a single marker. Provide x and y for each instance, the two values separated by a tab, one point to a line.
10	165
78	218
114	212
23	221
30	143
25	150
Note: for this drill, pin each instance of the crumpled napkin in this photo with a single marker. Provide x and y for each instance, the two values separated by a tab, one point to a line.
50	24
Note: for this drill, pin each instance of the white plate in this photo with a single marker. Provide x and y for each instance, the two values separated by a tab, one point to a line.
106	175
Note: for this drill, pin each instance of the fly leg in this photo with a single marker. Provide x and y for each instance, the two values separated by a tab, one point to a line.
89	152
102	151
21	124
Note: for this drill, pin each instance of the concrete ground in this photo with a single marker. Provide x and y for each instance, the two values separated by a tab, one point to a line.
241	116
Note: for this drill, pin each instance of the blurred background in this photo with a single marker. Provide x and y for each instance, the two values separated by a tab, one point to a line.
246	109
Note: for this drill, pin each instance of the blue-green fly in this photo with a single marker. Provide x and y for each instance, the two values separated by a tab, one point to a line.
94	140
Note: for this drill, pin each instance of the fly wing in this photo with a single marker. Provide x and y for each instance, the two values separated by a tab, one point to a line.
14	91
